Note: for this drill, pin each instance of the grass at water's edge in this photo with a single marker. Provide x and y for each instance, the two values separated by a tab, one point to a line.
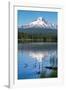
52	75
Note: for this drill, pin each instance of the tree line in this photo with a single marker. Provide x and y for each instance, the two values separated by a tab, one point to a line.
25	37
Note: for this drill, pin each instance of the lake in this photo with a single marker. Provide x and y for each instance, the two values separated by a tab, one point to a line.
37	60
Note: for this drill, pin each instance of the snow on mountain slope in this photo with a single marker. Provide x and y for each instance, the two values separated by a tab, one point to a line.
40	23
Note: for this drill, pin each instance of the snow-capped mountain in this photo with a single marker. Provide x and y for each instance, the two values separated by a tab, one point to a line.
39	23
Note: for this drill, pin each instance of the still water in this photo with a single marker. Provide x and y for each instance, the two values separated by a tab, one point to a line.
37	60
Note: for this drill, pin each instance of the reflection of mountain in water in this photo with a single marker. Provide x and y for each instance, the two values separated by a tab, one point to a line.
44	57
38	55
36	58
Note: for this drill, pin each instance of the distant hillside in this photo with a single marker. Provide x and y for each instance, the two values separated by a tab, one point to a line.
39	31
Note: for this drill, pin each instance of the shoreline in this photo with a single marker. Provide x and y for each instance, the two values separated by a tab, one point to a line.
37	42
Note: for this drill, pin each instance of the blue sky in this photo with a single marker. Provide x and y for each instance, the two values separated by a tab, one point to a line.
25	17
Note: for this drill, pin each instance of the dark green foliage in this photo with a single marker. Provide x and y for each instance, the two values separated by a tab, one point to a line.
54	73
25	37
42	75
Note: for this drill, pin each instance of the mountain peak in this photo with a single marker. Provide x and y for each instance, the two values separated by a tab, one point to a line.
40	22
40	18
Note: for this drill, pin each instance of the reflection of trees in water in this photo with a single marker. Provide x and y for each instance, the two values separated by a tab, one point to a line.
41	72
53	59
51	65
